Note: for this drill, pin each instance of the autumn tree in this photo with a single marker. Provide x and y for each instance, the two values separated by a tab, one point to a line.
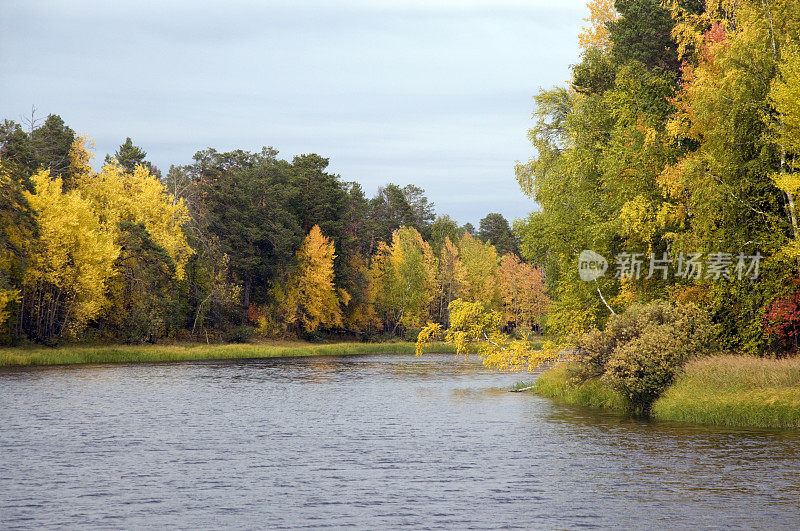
595	33
477	330
601	145
338	208
452	279
676	137
785	122
135	197
523	293
147	223
734	185
480	263
71	262
311	300
403	277
115	239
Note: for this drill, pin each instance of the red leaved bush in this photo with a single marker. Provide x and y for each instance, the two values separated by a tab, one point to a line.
782	323
255	312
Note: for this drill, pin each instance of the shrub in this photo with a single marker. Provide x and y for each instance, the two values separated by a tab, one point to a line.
312	337
597	347
411	334
240	334
782	324
640	350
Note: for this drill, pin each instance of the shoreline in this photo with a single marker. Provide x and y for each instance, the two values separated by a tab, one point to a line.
89	354
722	391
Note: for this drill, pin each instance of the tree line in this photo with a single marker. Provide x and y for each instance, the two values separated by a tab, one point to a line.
231	245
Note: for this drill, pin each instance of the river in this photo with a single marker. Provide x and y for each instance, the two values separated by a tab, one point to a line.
363	442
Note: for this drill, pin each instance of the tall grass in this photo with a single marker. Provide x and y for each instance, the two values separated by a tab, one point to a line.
734	391
155	353
560	383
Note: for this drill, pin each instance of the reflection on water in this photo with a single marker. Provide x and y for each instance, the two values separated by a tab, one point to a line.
369	442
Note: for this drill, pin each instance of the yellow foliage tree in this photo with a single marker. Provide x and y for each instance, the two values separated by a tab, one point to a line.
522	287
691	25
311	298
481	263
452	277
70	263
119	196
403	278
785	96
75	263
476	329
595	33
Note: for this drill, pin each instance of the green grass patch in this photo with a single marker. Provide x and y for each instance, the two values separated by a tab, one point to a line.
734	391
74	354
560	383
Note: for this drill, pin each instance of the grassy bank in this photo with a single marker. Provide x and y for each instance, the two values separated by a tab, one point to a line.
730	391
734	391
560	383
149	353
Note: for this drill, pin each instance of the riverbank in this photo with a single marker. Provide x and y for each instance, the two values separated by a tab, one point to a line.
75	354
730	391
561	383
734	391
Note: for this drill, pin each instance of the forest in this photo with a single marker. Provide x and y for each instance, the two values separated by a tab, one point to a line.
671	155
231	247
676	139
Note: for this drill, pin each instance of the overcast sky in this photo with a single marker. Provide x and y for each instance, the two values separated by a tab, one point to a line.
434	93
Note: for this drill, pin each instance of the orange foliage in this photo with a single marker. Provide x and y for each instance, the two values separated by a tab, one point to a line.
522	288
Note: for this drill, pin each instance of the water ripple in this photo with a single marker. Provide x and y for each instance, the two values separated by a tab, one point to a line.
363	442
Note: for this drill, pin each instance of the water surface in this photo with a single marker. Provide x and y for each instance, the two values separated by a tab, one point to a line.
363	442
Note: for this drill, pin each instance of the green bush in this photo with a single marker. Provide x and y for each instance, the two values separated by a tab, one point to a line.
640	350
411	334
240	334
312	337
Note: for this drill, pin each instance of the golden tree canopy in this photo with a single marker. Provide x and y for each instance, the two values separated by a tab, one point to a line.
311	298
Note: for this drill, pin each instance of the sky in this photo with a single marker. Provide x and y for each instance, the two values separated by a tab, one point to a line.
433	93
